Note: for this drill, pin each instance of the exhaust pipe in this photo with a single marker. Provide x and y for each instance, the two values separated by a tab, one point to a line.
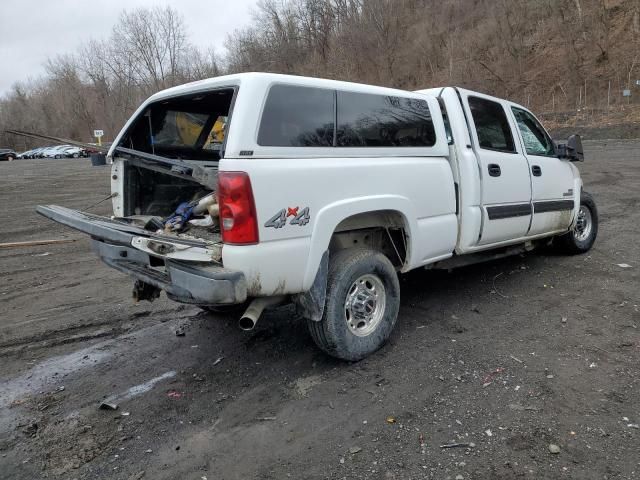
250	317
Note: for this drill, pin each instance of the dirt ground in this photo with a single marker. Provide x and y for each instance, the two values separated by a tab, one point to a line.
506	357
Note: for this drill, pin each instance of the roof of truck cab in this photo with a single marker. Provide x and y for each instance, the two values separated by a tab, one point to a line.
437	90
270	78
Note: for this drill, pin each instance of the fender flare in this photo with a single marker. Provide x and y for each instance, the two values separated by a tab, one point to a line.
330	216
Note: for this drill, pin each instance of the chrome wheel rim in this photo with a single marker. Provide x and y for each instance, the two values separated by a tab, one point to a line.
365	304
584	224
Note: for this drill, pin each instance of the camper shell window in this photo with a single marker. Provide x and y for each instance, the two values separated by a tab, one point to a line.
367	120
296	116
190	127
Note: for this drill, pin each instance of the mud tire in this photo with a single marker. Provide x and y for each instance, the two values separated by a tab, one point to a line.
333	333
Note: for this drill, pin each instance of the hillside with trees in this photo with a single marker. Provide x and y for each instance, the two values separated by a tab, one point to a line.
569	60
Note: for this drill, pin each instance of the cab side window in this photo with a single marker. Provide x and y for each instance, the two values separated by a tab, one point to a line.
536	140
491	125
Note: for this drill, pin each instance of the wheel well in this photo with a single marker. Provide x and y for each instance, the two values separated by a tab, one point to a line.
383	230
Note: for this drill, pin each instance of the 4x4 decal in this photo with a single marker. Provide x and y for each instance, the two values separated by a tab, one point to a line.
279	220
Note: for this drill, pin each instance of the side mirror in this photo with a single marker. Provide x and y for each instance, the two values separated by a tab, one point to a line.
572	150
575	153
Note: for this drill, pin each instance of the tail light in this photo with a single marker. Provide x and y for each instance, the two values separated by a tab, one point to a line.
238	219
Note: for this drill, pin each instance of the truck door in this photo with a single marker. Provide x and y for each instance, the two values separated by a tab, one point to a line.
551	178
504	171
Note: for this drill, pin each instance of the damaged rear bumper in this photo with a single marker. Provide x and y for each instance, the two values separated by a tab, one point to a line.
184	282
184	269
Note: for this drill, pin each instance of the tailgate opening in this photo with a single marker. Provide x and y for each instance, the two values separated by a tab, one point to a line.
166	164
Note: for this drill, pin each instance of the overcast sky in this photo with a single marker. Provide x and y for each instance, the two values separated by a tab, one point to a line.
33	30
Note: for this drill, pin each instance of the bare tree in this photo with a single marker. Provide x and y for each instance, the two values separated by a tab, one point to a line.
542	53
153	41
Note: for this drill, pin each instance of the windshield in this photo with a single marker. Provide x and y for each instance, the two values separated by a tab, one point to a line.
187	127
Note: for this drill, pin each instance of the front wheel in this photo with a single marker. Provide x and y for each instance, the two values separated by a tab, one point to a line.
361	306
583	235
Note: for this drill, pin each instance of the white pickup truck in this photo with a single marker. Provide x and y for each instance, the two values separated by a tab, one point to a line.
258	189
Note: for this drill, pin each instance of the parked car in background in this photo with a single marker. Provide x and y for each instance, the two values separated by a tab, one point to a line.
38	152
43	152
8	154
74	152
57	151
28	153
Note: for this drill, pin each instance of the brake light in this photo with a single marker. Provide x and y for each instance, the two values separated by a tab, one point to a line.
238	219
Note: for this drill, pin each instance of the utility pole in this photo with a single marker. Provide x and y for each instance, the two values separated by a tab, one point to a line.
580	99
585	93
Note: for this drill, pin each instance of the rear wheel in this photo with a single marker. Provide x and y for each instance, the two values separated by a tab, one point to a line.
361	306
10	158
583	235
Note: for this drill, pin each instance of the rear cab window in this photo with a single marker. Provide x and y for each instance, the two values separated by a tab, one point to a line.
190	127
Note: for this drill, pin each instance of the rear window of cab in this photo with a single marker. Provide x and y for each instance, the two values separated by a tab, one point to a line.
298	116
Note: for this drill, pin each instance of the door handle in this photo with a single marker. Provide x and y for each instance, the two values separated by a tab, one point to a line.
494	170
536	170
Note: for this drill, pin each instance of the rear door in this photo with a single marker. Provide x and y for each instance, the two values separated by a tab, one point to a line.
551	177
504	170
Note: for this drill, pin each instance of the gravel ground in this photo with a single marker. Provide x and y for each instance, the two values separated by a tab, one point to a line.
505	358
